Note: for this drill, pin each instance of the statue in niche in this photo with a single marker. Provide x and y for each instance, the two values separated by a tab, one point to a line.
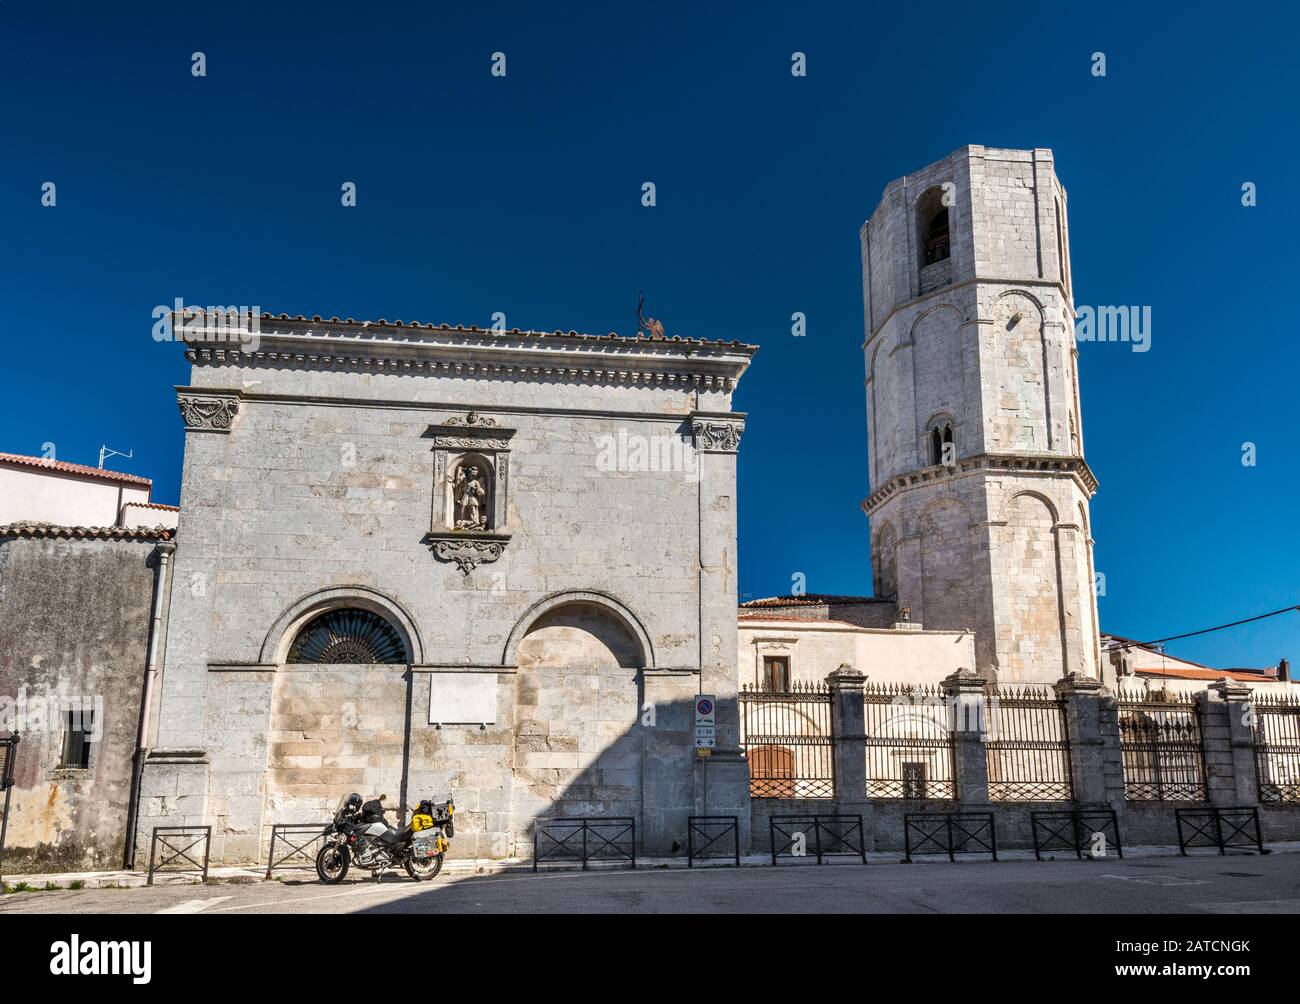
470	497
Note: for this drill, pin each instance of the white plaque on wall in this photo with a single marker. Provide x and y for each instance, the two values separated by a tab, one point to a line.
462	699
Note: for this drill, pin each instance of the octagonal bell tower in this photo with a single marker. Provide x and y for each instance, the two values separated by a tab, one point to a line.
979	487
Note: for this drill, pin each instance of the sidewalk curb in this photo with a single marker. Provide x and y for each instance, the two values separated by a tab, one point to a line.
247	875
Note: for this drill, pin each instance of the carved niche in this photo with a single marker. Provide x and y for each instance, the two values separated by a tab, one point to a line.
471	483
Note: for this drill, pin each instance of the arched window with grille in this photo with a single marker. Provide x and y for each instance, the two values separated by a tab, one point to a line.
348	635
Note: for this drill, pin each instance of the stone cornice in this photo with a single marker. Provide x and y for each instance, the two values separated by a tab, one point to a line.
941	291
483	354
1017	463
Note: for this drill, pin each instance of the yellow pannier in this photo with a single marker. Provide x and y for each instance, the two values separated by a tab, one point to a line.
421	821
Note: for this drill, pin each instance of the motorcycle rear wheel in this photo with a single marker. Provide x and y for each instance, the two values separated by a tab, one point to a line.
332	863
424	870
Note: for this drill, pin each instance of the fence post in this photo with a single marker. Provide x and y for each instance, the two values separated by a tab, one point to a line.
1237	715
848	726
967	692
1096	760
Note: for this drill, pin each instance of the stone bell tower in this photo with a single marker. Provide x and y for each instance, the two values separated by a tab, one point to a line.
979	488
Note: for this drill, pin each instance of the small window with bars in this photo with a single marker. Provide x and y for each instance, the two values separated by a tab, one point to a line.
78	727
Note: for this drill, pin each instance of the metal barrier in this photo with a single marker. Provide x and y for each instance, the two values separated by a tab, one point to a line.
959	831
279	831
711	829
165	834
1206	828
571	839
8	754
1075	830
839	831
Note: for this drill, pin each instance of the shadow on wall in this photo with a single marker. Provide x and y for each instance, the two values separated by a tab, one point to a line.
576	734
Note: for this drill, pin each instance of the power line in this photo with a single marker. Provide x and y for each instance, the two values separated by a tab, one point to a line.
1193	634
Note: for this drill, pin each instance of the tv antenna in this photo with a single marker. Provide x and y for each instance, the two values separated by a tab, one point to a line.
105	452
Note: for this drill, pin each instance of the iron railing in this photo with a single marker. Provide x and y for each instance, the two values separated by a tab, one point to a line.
949	833
829	833
174	843
1220	827
1028	746
8	756
1085	831
1160	739
712	838
298	844
909	744
788	741
1277	747
584	839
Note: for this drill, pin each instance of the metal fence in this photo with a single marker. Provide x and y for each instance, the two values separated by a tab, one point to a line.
909	745
787	739
584	839
1028	746
173	844
1219	827
296	843
1160	739
1277	747
8	754
712	838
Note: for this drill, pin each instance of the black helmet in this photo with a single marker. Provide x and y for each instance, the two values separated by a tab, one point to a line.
353	801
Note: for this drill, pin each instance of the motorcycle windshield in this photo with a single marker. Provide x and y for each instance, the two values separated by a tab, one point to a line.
341	811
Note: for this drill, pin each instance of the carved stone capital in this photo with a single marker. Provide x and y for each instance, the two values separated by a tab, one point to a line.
213	412
717	433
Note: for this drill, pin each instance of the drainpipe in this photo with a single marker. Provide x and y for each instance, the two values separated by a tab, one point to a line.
164	552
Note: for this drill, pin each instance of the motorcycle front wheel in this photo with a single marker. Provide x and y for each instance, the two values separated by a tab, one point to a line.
427	868
332	863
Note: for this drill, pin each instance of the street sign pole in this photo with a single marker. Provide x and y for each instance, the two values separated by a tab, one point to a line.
705	737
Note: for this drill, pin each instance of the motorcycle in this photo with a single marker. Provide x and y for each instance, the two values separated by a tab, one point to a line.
360	833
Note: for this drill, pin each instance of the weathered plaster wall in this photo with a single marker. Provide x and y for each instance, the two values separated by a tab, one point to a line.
74	621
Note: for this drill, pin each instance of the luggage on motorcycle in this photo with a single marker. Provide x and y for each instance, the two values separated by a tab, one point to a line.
421	821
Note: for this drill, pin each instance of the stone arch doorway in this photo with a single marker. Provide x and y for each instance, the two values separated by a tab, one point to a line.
340	707
578	742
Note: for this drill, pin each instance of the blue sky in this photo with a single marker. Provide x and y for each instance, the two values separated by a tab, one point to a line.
521	194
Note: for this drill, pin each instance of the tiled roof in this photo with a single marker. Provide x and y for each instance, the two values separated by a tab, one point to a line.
51	531
795	620
808	600
154	505
79	469
1245	675
490	333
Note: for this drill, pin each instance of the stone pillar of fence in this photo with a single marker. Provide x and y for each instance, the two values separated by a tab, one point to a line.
967	691
848	724
1229	741
1096	760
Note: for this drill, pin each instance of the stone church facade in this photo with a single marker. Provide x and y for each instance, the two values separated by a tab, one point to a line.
432	561
501	565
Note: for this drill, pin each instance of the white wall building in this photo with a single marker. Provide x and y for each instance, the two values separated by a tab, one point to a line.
36	490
